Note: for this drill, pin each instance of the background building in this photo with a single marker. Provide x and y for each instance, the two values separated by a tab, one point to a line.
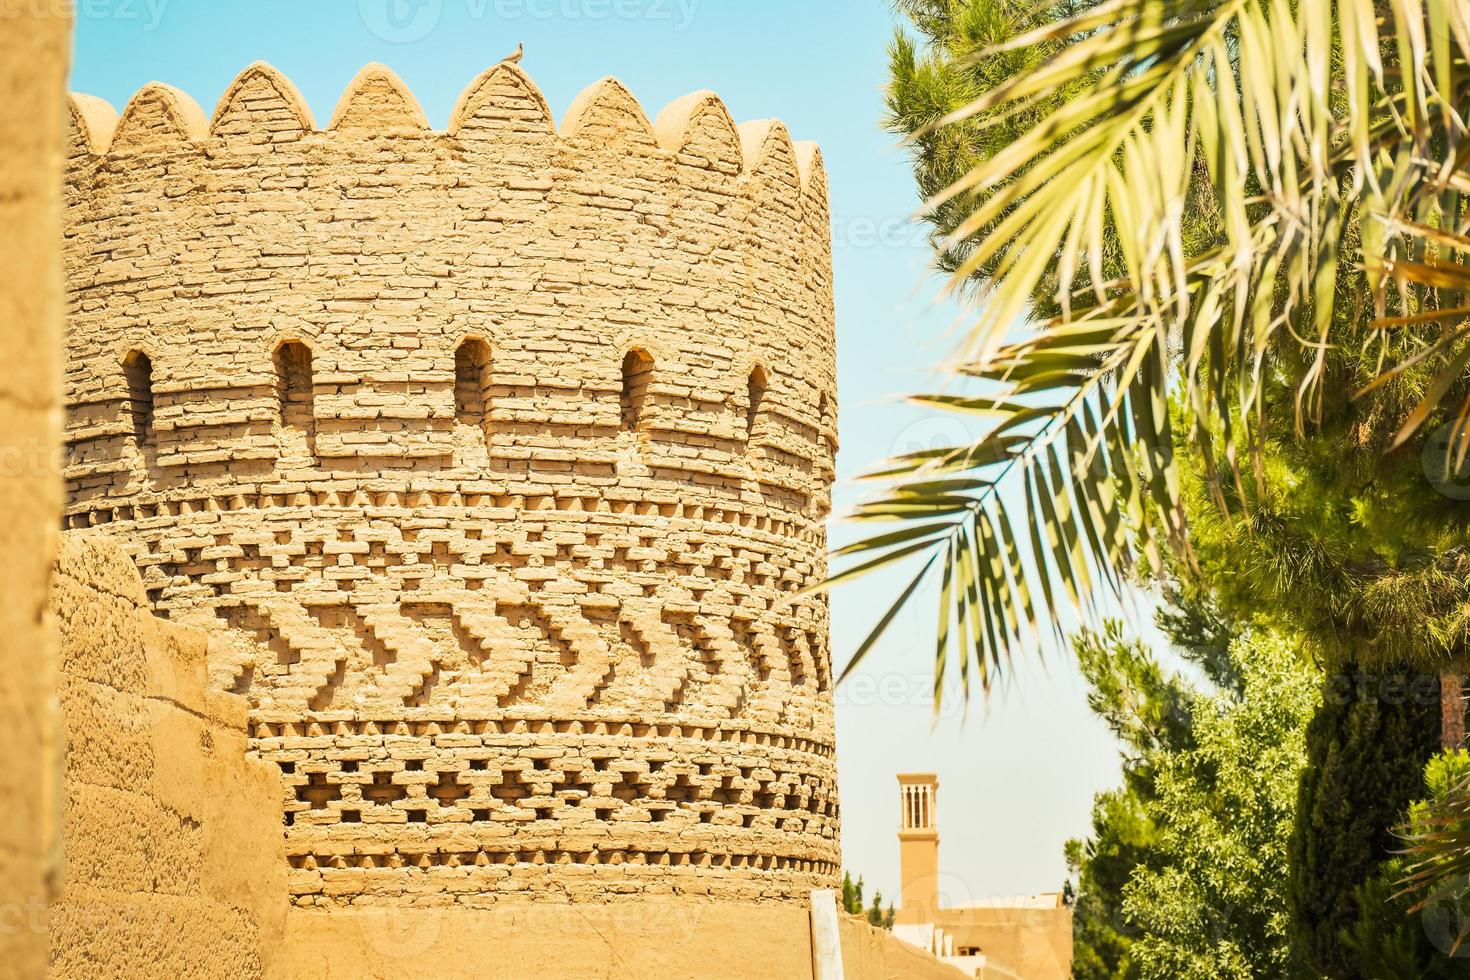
1028	937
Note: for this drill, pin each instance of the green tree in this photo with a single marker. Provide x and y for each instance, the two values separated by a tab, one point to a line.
1367	747
1208	201
932	81
1147	709
1211	901
1208	773
877	915
1396	933
852	894
1238	229
1100	866
852	903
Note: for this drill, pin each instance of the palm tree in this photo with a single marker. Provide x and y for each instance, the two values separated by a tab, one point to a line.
1237	229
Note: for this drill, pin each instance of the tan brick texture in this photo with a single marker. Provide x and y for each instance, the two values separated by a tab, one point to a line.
493	460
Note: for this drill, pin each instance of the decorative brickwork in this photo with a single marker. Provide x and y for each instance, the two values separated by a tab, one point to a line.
493	461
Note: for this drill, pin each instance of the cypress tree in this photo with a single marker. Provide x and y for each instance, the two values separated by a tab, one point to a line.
1366	751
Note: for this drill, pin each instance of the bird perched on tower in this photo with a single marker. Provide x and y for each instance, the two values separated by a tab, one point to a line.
514	58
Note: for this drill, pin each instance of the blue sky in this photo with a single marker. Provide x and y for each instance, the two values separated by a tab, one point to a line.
1017	776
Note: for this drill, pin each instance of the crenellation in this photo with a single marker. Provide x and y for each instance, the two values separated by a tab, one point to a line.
261	107
156	120
92	123
493	461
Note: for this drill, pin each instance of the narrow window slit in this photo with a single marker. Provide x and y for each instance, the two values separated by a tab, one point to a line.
295	387
637	374
755	391
138	373
472	384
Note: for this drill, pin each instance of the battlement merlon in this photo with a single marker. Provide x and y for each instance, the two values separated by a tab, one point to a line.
500	110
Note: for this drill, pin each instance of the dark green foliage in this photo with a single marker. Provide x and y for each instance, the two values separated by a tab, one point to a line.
1101	866
852	894
941	73
1388	941
878	916
852	903
1366	748
1422	932
1148	710
1353	549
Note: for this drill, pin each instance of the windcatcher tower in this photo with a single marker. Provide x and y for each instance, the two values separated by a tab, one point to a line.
918	847
493	460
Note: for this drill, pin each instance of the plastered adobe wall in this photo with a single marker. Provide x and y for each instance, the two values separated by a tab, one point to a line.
34	53
173	851
670	940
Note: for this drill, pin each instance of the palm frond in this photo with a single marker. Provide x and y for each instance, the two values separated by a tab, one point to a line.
1436	854
1188	223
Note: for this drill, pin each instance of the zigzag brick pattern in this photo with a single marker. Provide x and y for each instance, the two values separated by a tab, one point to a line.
494	461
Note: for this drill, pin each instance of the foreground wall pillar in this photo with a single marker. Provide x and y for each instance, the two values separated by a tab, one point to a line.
34	50
174	858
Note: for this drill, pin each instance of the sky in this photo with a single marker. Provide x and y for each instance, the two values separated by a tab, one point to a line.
1017	773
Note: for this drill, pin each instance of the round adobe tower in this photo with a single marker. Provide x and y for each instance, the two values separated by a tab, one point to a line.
491	459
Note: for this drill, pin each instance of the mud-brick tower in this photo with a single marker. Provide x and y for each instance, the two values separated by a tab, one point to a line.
493	459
